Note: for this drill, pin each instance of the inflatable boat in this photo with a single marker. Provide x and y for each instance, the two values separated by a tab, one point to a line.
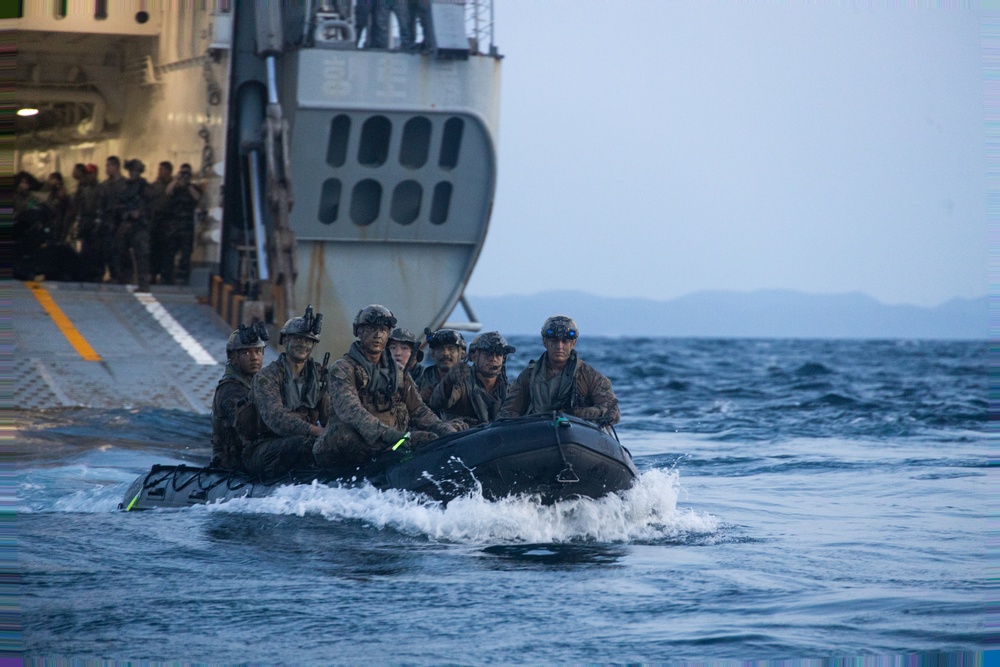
553	457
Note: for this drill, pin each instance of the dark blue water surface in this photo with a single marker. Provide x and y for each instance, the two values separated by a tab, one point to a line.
798	499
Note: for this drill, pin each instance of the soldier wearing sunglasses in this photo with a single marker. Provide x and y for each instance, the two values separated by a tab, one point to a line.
560	380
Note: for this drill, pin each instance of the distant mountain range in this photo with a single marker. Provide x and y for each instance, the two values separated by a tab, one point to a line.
760	314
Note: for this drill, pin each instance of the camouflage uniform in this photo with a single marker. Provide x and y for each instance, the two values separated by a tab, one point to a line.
416	372
110	194
159	219
591	396
109	199
86	206
288	445
132	233
180	236
227	448
430	376
359	428
459	392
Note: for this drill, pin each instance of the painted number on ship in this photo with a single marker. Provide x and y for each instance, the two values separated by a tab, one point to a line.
336	77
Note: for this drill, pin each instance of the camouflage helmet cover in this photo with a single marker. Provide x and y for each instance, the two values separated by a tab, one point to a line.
560	326
374	315
401	335
308	326
443	337
491	341
247	337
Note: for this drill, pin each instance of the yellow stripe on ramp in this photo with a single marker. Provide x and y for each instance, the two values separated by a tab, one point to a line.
78	342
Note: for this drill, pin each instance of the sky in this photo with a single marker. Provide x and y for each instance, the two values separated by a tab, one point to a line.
651	148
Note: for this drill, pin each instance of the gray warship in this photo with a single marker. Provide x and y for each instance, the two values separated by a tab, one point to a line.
335	175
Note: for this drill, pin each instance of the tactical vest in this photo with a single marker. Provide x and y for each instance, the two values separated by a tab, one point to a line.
395	415
226	441
249	424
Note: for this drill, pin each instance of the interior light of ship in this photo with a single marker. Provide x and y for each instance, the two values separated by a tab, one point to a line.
27	111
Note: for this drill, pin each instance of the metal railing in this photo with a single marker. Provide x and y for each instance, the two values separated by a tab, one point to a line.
330	23
479	26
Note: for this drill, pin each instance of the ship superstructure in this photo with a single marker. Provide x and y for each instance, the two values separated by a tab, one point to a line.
334	175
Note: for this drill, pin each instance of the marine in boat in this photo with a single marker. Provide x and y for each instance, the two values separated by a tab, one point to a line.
372	398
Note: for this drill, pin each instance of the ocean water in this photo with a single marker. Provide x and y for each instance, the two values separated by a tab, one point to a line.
798	500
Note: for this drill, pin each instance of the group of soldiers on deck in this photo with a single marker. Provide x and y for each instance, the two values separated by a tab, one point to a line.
123	229
298	414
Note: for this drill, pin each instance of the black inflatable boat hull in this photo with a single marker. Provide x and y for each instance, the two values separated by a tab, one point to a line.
552	458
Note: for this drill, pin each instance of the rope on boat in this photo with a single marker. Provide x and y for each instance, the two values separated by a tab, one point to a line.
173	474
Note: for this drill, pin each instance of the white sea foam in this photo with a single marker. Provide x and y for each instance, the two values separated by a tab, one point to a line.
95	499
646	512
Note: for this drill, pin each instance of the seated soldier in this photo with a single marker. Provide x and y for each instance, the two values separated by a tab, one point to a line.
447	349
560	380
244	356
373	402
292	403
475	393
405	349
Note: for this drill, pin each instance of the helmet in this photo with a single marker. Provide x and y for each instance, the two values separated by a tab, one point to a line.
375	315
308	325
491	341
247	337
443	337
401	335
560	326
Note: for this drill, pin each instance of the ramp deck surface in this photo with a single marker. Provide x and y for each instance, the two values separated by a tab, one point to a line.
102	346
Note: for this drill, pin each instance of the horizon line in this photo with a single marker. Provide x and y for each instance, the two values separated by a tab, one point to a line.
727	291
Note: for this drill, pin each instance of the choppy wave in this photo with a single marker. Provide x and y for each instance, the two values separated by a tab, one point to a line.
753	390
796	498
648	513
97	499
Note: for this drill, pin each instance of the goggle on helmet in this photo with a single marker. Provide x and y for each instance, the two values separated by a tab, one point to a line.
560	327
374	315
247	337
308	326
443	337
491	341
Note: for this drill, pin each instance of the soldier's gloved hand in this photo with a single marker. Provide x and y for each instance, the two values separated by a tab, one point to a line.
392	436
456	425
419	438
